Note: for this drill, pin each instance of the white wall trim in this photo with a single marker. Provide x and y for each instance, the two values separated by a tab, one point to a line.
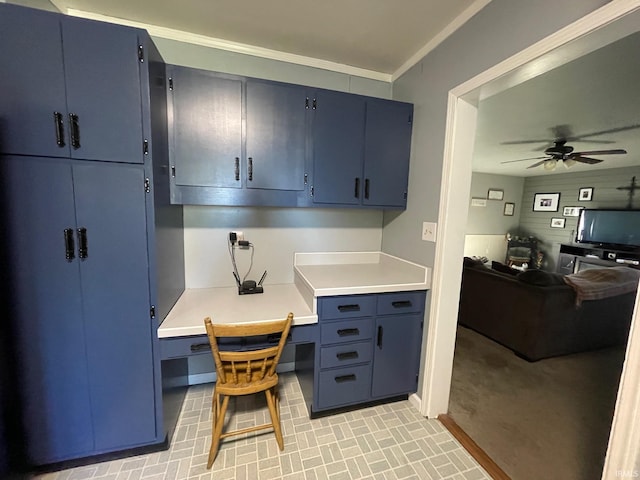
624	442
243	48
457	22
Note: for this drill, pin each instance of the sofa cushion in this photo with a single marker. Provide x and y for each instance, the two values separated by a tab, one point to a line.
469	262
541	278
502	268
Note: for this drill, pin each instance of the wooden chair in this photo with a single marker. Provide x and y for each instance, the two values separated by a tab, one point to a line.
244	373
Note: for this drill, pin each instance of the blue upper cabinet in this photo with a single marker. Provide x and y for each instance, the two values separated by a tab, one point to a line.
361	150
386	153
236	141
206	128
338	148
276	135
71	87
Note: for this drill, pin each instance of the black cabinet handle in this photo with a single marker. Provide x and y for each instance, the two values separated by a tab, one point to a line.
275	338
347	332
237	169
401	304
250	170
58	120
366	188
69	244
83	249
347	355
345	378
200	347
354	307
379	342
356	190
75	130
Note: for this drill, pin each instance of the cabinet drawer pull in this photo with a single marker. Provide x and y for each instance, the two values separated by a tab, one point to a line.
200	347
379	342
250	169
69	244
59	124
347	355
75	130
366	188
356	191
401	304
354	307
237	169
345	378
348	332
275	338
83	248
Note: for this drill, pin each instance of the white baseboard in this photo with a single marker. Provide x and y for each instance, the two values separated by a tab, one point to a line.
415	401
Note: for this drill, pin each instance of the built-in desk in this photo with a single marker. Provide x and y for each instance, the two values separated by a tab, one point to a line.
360	352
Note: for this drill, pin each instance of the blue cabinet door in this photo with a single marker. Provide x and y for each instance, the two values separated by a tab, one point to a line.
46	304
110	206
205	128
396	356
338	148
103	90
387	150
32	83
276	135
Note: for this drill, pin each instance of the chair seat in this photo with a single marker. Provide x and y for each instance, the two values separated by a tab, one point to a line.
247	388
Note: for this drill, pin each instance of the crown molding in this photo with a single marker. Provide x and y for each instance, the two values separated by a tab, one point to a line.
457	22
220	44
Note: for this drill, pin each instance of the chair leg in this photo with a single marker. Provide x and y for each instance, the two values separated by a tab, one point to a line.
275	417
217	428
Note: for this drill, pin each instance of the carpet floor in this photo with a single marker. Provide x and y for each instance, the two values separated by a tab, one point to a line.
546	419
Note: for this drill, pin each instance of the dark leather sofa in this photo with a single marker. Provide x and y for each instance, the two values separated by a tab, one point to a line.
534	313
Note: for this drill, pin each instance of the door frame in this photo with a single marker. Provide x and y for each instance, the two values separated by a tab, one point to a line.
624	442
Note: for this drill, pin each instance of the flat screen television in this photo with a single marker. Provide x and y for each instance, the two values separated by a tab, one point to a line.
609	227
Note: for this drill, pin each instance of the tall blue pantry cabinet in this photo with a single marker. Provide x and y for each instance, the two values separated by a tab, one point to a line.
92	249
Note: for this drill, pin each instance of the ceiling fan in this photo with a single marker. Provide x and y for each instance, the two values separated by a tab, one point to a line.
560	151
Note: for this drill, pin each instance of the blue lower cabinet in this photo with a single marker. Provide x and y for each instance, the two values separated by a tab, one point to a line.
372	354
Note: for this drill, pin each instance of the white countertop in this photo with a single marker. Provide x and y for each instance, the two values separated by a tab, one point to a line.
315	275
350	273
224	305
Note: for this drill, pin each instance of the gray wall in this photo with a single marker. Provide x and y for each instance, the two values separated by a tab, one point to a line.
500	30
605	185
491	219
40	4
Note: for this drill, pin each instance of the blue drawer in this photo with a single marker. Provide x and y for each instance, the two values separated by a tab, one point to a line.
344	386
346	331
403	302
178	347
344	355
347	306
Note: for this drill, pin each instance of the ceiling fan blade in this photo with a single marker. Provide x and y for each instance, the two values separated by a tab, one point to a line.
590	161
603	132
521	142
618	151
523	159
537	164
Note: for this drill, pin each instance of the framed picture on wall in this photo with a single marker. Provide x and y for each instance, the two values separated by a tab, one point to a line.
546	202
495	194
571	211
585	194
558	222
509	208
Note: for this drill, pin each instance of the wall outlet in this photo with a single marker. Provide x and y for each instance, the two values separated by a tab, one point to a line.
239	235
429	231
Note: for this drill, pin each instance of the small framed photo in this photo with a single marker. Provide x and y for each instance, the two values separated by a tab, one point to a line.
509	209
495	194
571	211
478	202
586	194
558	222
546	202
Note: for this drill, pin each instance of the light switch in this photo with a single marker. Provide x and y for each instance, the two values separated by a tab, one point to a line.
429	231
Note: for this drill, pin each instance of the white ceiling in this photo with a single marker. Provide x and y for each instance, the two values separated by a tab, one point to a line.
597	92
376	35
